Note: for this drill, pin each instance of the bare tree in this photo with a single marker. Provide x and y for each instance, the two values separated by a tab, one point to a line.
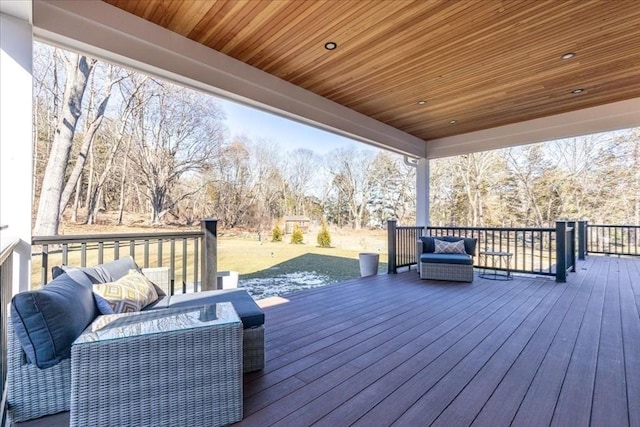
352	172
179	132
78	70
93	125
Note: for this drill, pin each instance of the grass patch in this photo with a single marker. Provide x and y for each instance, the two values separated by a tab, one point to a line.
254	260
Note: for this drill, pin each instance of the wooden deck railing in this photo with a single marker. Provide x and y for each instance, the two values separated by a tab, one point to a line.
535	250
186	253
613	239
172	250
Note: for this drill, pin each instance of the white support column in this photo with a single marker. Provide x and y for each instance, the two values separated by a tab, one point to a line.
16	153
422	193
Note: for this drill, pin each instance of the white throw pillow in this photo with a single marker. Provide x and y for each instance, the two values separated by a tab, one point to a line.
442	247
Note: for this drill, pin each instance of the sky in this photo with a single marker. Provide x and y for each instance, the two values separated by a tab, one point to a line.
288	134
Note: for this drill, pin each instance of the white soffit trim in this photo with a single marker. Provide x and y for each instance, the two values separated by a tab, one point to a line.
18	9
603	118
104	31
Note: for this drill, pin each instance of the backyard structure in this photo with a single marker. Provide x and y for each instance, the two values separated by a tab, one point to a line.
292	221
491	91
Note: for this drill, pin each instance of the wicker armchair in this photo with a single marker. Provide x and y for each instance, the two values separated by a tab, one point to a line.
447	267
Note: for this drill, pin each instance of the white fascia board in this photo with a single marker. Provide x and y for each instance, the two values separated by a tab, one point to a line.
603	118
21	10
104	31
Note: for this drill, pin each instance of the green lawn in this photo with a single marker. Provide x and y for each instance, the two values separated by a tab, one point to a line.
255	260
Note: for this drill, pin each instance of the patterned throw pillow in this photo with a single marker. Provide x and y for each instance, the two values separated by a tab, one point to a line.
443	247
130	293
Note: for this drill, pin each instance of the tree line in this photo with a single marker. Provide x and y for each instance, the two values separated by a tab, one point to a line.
111	140
594	177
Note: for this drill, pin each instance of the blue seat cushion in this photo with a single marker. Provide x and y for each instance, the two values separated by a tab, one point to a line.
248	311
47	321
446	259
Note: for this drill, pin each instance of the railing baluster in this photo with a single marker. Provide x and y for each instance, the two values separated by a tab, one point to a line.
116	249
184	266
172	267
196	244
146	253
45	264
159	252
83	254
100	252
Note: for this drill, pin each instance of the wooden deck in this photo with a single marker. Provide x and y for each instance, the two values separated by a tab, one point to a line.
396	350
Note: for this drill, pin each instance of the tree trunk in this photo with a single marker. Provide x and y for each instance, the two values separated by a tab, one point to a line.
76	200
123	180
87	140
78	72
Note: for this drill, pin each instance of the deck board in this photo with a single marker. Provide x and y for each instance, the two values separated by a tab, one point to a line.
397	350
415	352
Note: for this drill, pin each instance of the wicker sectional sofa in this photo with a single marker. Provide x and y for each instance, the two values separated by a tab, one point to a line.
43	328
456	267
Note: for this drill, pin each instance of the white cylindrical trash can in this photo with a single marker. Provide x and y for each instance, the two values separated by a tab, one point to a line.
368	264
227	279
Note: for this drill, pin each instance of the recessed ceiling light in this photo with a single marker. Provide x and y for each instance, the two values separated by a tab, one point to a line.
568	55
577	91
453	122
422	102
330	45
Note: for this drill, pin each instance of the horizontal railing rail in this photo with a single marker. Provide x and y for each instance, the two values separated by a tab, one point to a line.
613	239
180	251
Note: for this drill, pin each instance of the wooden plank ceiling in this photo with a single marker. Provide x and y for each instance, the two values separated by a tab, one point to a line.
477	64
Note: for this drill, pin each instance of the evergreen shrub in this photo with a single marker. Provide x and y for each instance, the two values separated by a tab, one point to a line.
324	237
297	237
277	234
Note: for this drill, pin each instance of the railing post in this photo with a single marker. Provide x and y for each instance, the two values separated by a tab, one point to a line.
391	245
561	251
582	240
209	254
572	245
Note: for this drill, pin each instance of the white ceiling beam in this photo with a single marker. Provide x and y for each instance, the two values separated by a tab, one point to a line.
103	31
603	118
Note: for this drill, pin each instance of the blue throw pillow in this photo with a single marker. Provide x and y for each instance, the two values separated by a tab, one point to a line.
107	272
49	320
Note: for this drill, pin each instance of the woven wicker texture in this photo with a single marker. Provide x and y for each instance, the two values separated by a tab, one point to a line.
33	392
449	272
160	276
253	349
178	378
